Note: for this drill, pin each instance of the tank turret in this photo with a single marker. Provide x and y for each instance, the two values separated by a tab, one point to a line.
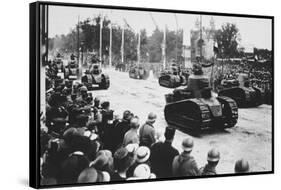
245	94
195	107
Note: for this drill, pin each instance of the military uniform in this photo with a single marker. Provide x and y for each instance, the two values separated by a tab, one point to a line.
208	170
162	155
147	134
185	165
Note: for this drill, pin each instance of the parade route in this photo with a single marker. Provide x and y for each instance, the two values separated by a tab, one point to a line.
251	138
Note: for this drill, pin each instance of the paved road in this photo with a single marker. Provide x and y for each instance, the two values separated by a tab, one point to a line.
250	138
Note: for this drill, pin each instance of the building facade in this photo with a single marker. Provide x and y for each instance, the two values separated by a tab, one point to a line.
202	41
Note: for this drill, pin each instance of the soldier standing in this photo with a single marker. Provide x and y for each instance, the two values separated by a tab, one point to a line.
147	131
185	164
213	158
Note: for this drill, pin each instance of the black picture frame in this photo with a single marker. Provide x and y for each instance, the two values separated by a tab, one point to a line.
34	91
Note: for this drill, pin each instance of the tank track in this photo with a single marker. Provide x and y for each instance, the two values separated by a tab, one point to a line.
230	111
186	120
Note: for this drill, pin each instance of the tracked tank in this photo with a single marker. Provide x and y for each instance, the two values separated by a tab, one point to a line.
71	70
196	107
138	72
244	93
94	76
171	78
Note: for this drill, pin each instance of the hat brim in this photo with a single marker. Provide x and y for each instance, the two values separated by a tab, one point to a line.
187	149
213	159
151	120
144	159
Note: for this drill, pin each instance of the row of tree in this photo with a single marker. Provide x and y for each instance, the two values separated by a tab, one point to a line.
226	38
89	37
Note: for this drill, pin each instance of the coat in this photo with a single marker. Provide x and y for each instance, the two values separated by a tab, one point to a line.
147	134
185	165
161	158
131	137
208	170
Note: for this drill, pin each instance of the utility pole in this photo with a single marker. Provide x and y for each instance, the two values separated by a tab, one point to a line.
176	38
201	40
139	43
122	45
78	42
110	44
101	23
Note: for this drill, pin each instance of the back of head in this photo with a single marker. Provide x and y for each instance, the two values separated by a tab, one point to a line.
72	167
143	154
105	105
142	171
187	144
213	156
88	175
122	159
151	117
169	133
127	115
241	166
134	123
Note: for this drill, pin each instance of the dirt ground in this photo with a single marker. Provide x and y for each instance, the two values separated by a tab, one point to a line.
251	138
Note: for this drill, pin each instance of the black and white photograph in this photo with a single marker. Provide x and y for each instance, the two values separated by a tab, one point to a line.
138	94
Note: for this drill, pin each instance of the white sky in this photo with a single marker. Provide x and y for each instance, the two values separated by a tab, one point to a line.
254	32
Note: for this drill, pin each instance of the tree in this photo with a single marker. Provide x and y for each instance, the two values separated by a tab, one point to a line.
154	45
144	49
227	40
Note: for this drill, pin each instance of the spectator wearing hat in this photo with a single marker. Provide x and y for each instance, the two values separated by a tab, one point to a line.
163	154
121	128
105	116
213	158
122	161
91	175
107	128
103	161
185	164
142	157
143	171
242	166
131	136
147	131
132	149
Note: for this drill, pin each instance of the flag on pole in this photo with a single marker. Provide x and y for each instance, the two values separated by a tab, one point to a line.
215	49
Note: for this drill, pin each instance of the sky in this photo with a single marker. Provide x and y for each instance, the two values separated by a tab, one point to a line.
254	32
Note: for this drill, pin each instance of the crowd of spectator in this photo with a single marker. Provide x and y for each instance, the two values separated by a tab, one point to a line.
82	141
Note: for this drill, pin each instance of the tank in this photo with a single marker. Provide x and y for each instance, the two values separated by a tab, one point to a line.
196	107
243	93
171	78
71	71
95	77
58	62
138	72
